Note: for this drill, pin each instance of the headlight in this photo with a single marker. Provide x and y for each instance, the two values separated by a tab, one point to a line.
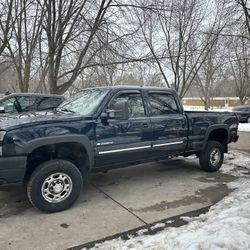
2	134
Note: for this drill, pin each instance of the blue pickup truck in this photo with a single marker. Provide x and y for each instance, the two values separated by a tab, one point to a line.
98	129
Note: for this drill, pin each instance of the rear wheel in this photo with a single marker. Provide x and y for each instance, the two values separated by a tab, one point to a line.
211	158
54	186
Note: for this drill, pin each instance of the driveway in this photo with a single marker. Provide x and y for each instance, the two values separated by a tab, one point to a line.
111	203
115	202
243	144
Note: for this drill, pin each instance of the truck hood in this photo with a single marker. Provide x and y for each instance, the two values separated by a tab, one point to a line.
10	122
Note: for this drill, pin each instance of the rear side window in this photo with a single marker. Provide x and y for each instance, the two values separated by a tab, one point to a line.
47	103
162	104
25	103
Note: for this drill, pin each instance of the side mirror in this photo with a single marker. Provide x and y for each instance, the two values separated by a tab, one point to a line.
119	111
2	110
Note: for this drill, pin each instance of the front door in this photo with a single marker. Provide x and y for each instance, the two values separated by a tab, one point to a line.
124	141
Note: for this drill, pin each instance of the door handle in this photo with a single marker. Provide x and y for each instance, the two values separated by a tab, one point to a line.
145	125
181	123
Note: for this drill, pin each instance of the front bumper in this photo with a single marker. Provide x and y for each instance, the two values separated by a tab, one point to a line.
12	171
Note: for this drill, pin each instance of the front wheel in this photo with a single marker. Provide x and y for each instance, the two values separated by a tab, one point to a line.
54	186
211	158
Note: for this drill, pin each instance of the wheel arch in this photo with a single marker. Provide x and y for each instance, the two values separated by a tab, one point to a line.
65	144
218	133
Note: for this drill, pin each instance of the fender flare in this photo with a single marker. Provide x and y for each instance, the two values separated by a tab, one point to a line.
82	139
212	128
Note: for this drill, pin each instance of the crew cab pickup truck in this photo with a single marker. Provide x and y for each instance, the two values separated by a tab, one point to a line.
98	129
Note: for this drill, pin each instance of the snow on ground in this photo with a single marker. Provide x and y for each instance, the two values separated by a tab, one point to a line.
244	127
225	226
199	108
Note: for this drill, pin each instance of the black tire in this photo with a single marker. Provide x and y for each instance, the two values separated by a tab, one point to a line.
208	161
45	184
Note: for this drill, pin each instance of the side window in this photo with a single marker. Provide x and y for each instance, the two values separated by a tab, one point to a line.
25	103
162	104
47	103
8	105
135	103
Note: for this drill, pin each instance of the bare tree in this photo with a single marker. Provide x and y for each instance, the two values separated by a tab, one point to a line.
5	23
26	25
42	70
239	62
211	72
245	7
70	27
52	45
174	34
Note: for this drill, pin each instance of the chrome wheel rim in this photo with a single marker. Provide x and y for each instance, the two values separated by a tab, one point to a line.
215	157
57	187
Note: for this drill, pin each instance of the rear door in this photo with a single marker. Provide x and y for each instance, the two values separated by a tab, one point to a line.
169	124
124	141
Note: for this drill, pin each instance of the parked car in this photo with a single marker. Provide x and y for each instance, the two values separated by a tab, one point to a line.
243	113
27	102
100	129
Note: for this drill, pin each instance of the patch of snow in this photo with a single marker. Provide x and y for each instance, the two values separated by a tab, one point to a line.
169	221
199	108
142	231
187	218
211	179
225	226
237	159
158	225
221	110
244	127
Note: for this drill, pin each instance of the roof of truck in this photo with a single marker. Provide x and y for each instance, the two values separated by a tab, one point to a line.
31	94
133	87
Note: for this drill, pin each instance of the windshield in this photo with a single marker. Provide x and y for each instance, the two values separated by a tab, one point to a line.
84	102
